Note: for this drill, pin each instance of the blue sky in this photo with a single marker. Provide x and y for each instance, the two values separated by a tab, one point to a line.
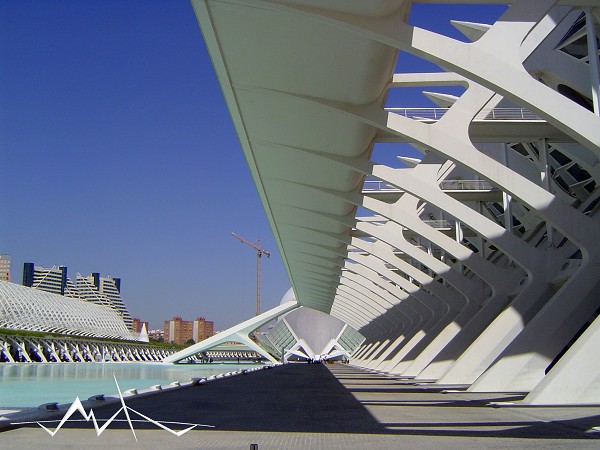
118	155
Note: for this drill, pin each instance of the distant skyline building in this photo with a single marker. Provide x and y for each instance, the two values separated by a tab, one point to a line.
177	330
5	267
138	325
104	291
49	279
202	329
156	335
180	331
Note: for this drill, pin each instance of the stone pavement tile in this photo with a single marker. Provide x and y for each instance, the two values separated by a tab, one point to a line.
228	440
425	410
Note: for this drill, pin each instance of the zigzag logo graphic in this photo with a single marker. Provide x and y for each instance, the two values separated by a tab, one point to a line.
76	406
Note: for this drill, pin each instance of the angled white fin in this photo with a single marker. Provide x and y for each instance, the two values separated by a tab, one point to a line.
441	100
471	30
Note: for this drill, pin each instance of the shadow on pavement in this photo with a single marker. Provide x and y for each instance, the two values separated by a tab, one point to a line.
309	398
290	398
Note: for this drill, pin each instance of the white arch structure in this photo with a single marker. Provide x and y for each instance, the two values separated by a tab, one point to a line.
30	309
476	264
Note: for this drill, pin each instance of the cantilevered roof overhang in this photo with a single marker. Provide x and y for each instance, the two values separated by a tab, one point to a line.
281	73
459	287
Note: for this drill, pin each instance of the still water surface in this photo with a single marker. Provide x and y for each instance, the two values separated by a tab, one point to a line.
29	385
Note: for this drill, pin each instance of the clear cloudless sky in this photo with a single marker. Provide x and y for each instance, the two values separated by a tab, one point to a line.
118	156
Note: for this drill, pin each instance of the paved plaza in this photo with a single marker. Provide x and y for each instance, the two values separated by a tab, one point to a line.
302	406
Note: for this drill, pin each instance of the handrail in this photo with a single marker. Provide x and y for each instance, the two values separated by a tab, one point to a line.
486	114
439	223
445	185
378	185
434	223
466	185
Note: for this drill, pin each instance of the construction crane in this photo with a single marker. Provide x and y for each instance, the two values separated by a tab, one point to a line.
259	253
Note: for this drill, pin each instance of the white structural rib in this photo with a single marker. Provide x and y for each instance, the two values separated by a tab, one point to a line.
238	333
474	263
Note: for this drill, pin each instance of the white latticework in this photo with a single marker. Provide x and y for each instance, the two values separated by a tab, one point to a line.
23	308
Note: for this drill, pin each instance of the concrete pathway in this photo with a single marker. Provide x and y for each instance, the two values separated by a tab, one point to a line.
306	406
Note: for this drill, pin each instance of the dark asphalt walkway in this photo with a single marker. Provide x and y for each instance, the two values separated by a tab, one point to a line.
290	398
300	406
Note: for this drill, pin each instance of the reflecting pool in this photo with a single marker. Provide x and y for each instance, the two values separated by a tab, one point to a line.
31	384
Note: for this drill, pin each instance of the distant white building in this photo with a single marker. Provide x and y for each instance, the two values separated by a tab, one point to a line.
306	333
26	308
156	335
104	291
50	279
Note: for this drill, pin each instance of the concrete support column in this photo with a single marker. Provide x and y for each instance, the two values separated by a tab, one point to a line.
545	178
507	199
458	233
593	59
523	363
574	379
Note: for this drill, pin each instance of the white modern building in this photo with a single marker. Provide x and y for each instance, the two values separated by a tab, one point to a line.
308	334
30	309
49	279
456	230
105	291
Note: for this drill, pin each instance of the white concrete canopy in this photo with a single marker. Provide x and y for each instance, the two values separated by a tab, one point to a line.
474	263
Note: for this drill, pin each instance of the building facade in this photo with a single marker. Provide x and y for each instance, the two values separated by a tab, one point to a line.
5	261
180	331
202	329
156	335
49	279
104	291
138	325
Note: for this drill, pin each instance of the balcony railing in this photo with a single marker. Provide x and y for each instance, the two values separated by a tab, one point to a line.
465	185
377	185
436	223
445	185
491	114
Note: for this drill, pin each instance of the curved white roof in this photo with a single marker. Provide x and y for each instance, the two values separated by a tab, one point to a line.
271	64
24	308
